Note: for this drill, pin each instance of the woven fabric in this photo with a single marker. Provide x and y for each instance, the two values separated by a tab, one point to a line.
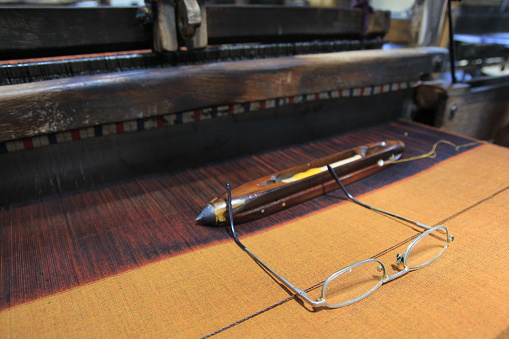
220	289
50	246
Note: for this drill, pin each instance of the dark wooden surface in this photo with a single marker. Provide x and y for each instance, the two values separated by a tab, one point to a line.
70	240
37	32
477	22
57	105
478	109
229	24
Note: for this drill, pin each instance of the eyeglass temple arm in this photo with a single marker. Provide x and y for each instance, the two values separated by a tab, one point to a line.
285	282
335	176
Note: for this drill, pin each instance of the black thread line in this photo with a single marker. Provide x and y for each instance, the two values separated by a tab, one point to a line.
387	250
441	222
472	206
250	316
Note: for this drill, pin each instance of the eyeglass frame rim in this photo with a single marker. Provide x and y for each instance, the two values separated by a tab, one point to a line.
385	277
321	302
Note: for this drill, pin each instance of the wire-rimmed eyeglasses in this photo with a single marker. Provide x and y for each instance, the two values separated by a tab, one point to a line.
357	281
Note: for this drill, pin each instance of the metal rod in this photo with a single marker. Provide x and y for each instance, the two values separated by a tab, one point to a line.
452	57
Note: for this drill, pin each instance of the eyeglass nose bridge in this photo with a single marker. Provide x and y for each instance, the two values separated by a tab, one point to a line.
396	275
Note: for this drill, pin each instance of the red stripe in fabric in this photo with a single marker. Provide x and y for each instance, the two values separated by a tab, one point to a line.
28	144
75	135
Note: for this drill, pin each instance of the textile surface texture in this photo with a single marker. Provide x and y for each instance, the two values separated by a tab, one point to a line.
216	288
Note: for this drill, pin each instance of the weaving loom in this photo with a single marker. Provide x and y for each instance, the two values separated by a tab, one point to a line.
107	159
264	101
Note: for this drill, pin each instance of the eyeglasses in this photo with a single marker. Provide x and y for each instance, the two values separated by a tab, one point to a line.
357	281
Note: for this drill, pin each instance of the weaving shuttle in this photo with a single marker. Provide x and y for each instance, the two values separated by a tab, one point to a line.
281	190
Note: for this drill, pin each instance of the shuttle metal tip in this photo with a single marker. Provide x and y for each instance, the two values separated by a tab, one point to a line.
207	216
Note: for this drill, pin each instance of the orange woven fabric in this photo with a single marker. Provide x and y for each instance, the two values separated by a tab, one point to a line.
463	294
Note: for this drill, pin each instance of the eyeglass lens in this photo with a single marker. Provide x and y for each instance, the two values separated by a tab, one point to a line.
427	249
353	282
359	280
